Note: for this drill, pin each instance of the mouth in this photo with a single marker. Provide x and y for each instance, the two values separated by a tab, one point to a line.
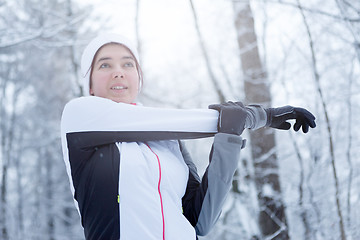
118	87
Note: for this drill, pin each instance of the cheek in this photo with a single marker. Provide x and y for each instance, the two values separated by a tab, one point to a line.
98	78
135	79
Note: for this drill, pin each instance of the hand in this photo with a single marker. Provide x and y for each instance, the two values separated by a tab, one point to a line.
232	117
277	118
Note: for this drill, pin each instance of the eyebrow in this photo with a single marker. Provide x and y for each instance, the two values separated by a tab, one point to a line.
109	58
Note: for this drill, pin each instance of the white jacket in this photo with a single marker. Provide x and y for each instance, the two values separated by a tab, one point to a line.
130	177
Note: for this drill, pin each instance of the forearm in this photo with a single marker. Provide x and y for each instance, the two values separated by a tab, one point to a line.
100	114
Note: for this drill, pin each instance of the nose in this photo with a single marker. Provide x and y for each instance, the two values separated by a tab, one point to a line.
117	74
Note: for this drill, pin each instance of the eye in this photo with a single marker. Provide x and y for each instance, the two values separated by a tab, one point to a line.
129	64
104	65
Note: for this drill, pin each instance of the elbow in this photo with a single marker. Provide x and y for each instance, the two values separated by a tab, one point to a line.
203	228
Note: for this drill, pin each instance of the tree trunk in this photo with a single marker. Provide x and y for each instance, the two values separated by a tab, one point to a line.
4	233
272	219
7	130
49	195
3	126
302	208
20	192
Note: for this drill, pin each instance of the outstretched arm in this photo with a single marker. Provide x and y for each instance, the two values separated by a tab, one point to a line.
120	122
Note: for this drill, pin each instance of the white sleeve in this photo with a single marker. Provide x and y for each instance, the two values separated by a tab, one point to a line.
100	114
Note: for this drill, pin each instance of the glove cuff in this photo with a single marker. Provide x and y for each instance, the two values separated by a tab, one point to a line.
268	117
257	117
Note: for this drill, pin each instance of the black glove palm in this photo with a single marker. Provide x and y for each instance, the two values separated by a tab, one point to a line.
277	118
232	117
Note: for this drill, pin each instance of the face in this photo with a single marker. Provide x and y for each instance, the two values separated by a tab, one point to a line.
114	74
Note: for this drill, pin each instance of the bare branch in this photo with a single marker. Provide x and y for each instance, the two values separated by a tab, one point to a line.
137	27
21	39
44	32
315	11
351	6
206	57
350	26
349	147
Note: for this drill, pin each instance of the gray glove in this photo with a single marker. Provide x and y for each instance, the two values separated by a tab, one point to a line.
232	117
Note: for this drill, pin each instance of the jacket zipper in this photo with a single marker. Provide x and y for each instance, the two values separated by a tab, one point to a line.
159	182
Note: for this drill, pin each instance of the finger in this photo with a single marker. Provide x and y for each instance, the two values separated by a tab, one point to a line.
305	128
215	107
297	126
312	124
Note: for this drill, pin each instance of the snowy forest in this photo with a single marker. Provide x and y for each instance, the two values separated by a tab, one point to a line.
289	185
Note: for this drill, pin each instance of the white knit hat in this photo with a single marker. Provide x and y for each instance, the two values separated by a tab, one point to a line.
93	47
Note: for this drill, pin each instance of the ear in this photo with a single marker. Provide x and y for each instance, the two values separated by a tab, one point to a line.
91	91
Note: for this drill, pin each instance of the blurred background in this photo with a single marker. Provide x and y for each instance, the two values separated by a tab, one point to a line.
193	53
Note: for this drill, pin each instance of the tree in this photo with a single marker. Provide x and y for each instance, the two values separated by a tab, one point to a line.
272	218
35	82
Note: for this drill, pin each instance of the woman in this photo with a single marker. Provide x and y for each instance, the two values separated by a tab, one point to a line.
130	176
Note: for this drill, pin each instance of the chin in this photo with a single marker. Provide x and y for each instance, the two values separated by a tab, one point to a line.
121	100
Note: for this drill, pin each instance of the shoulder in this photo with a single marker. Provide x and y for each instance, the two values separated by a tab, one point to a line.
93	104
89	100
